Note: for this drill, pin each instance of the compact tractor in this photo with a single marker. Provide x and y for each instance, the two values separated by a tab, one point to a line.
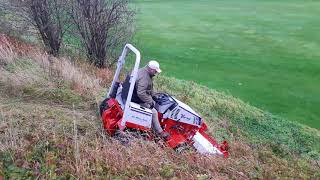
185	126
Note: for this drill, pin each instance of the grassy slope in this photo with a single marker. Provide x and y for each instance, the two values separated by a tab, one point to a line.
50	129
265	52
253	124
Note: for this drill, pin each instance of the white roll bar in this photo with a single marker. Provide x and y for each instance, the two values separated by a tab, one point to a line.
133	75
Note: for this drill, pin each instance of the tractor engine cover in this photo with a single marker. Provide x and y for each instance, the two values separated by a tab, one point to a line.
172	108
138	117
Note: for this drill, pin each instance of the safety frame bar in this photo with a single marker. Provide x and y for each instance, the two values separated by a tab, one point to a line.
133	75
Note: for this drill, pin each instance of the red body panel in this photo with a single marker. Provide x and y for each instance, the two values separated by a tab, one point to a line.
111	116
180	133
135	126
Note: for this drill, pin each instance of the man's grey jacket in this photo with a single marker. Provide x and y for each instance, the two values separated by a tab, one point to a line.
143	90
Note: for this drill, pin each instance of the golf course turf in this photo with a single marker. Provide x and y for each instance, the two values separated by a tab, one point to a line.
266	53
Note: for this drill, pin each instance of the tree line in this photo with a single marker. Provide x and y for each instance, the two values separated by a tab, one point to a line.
101	26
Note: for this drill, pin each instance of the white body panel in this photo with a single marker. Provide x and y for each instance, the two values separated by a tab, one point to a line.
138	115
163	108
203	146
183	113
186	107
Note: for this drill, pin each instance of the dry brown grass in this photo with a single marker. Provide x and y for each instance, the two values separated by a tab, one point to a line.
44	138
7	55
84	79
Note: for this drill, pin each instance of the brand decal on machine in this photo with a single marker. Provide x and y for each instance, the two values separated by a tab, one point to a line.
183	116
139	118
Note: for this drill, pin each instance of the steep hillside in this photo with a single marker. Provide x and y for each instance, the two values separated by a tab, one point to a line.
50	128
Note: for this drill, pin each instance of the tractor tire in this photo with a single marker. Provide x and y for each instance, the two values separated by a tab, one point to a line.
103	106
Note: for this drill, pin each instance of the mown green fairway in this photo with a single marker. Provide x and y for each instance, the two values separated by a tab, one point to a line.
265	52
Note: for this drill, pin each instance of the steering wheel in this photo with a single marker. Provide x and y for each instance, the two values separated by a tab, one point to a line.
161	97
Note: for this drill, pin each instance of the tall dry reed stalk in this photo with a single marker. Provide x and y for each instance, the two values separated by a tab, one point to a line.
51	67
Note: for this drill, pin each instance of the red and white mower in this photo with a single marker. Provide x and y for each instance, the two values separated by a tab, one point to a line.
183	124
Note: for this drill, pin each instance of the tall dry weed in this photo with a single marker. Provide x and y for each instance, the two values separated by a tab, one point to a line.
50	67
7	55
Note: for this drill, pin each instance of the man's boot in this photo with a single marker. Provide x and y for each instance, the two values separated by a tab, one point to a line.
164	135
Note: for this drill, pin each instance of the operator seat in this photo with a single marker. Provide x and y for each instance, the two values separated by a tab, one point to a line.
125	90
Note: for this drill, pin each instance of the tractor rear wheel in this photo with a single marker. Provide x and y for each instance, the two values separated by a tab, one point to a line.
104	106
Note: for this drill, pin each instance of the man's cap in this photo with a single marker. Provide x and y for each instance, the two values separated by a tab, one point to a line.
154	65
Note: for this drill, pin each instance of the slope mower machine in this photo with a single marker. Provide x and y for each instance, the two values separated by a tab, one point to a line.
185	126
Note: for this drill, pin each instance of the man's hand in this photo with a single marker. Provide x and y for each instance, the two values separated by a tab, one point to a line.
153	104
149	105
155	98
